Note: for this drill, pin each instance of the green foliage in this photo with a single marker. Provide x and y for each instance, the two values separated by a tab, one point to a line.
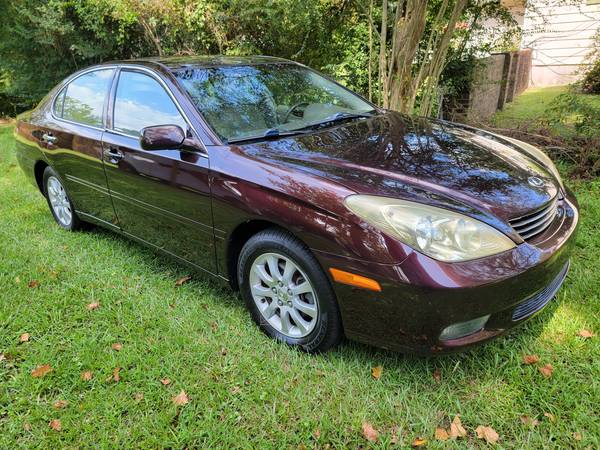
591	82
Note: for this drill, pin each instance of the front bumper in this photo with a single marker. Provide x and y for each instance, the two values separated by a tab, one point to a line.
421	296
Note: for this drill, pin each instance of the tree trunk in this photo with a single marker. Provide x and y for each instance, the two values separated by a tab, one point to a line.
383	82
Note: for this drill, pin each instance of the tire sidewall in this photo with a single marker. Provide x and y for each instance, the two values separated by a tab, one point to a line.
324	294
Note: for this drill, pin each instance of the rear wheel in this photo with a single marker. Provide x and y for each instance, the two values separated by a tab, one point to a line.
59	202
287	292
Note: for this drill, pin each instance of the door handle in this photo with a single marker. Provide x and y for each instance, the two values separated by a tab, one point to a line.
49	138
113	155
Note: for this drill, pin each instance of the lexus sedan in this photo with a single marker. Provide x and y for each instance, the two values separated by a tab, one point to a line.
332	217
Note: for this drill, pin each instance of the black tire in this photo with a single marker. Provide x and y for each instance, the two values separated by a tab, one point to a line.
75	223
327	331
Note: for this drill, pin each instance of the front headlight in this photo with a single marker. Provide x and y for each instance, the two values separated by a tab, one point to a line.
439	233
539	155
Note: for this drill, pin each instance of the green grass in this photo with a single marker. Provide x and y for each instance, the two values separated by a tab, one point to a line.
529	109
255	393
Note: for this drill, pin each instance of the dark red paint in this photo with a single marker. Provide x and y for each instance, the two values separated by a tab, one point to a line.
200	201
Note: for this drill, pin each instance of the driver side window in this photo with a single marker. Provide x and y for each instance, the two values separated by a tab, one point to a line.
141	102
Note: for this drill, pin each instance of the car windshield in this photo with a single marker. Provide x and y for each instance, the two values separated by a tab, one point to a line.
254	101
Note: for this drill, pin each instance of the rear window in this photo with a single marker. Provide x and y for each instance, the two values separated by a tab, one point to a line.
83	100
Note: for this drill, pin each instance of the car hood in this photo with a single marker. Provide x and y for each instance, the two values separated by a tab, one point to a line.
414	158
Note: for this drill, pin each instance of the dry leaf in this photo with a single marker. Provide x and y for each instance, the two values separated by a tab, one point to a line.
165	381
33	284
317	434
586	334
456	428
487	433
577	436
24	337
115	376
86	376
93	306
40	371
27	426
117	346
181	398
419	442
235	389
214	326
183	280
55	425
530	359
437	375
441	434
376	372
550	417
60	404
369	432
223	351
139	396
547	370
17	280
529	421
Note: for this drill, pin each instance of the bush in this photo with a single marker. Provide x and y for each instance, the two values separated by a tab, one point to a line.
591	82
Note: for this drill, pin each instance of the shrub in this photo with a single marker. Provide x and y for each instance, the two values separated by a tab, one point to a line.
591	81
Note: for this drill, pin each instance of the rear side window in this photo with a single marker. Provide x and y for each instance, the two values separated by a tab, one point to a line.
59	102
142	102
85	96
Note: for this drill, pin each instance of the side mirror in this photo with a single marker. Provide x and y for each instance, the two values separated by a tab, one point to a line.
162	137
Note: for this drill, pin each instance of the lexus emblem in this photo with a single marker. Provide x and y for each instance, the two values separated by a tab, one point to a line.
535	181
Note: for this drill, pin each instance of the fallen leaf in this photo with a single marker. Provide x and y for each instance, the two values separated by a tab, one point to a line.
60	404
456	428
437	375
33	284
214	326
27	426
117	346
530	359
183	280
529	421
24	337
223	351
139	396
419	442
317	434
165	381
17	280
93	306
577	436
547	370
320	373
487	433
115	376
181	398
376	372
441	434
2	357
369	432
550	417
55	425
586	334
86	376
53	274
40	371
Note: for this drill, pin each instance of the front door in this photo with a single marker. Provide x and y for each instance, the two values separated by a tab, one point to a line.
161	197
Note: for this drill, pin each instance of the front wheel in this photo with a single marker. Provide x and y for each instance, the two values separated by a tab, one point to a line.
287	292
59	202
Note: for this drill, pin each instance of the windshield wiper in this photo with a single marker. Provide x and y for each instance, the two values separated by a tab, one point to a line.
270	133
338	117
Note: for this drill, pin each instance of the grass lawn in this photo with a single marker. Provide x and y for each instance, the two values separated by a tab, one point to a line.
245	390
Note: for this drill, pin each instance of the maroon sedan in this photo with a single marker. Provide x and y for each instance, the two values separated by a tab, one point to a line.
331	216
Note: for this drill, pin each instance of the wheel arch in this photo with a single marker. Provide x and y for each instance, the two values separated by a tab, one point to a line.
38	172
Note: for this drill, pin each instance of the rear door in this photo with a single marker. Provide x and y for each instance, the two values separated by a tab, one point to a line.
72	141
161	197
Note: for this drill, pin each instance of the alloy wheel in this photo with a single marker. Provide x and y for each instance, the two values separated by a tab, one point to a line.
59	201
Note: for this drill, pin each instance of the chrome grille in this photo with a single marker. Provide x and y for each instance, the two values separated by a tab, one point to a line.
533	224
538	301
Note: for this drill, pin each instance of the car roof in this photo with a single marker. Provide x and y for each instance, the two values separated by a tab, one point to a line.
177	62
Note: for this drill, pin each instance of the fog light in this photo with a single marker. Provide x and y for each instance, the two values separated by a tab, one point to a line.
462	329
